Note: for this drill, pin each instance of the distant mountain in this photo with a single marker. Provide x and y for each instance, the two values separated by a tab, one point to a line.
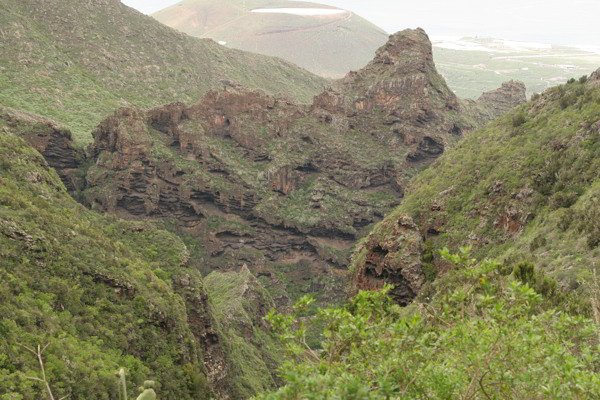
76	61
330	44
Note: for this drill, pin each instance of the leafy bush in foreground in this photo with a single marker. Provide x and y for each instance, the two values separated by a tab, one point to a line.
486	336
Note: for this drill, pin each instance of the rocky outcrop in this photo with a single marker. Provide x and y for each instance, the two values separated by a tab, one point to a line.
393	258
493	104
201	320
258	179
502	100
401	76
594	76
47	137
401	93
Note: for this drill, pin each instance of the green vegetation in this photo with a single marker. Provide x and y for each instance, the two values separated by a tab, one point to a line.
240	302
99	293
484	334
82	286
76	62
524	188
490	62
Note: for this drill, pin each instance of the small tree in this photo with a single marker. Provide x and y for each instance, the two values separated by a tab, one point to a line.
519	119
38	353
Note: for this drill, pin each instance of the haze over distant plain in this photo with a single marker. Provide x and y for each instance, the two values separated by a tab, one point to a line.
548	21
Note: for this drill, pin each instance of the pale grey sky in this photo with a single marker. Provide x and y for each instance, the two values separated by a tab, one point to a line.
550	21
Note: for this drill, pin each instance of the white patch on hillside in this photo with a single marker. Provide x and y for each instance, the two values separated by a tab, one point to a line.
463	45
487	45
300	11
591	49
516	45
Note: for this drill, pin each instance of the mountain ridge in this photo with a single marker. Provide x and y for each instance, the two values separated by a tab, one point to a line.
512	190
282	187
329	45
78	62
251	183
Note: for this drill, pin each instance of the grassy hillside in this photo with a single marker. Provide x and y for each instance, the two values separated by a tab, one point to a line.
96	289
524	188
328	46
75	62
102	293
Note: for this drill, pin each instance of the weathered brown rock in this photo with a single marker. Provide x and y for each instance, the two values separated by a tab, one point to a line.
401	76
47	137
493	104
594	76
503	99
394	259
401	93
290	184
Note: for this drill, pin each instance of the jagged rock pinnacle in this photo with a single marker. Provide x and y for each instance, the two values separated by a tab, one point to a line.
506	97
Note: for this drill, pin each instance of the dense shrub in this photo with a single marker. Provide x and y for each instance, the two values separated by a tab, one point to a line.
562	200
567	100
566	219
519	119
537	242
483	336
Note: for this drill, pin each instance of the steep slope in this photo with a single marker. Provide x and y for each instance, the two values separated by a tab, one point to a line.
251	178
92	287
241	177
329	45
241	302
104	293
522	189
54	142
75	62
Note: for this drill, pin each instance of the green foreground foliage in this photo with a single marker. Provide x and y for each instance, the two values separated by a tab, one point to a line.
95	291
484	335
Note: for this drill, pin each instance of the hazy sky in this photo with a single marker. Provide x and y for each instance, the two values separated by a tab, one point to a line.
549	21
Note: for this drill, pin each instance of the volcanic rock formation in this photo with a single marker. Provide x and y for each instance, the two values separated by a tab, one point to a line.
47	137
396	260
258	179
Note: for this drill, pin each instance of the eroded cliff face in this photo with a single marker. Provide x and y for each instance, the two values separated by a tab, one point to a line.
47	137
400	97
515	192
394	259
493	104
285	188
